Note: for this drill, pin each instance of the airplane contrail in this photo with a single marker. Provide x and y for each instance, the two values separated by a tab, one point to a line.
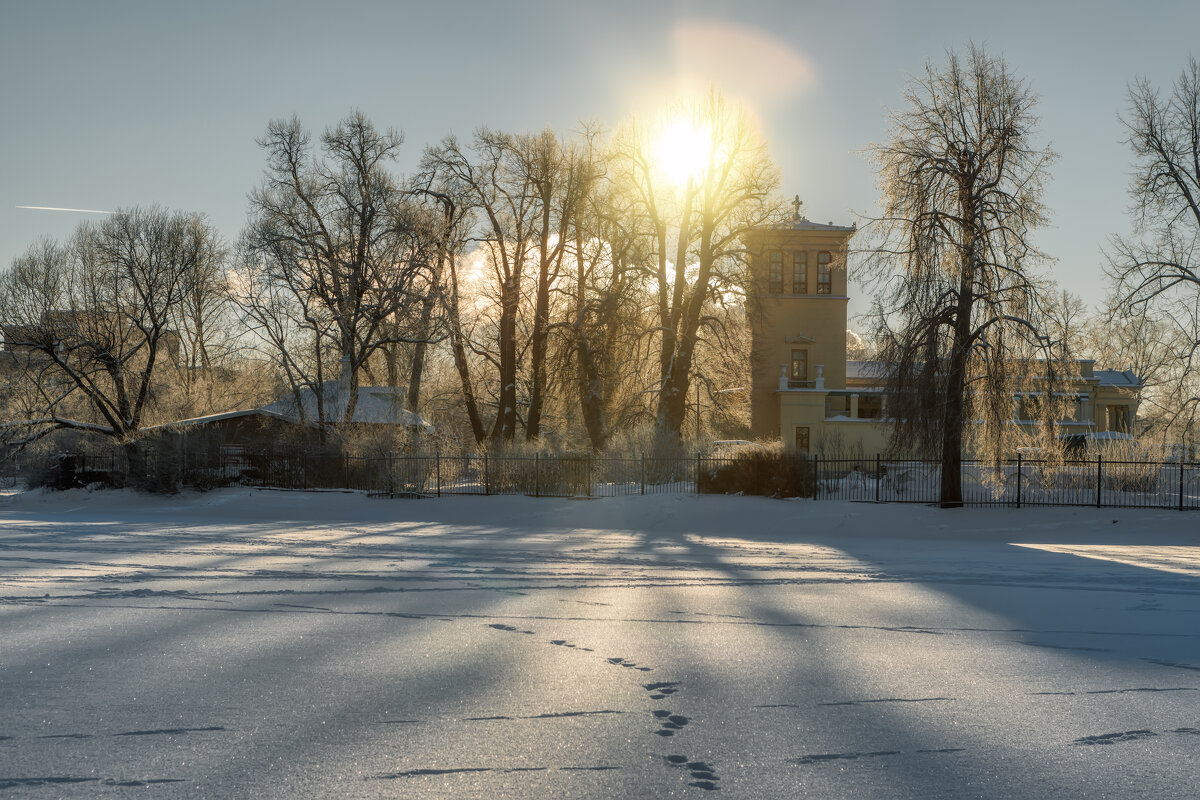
78	210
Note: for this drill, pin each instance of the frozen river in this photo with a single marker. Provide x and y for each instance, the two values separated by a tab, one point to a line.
278	645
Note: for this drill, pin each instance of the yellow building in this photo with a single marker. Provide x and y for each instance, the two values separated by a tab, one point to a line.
805	393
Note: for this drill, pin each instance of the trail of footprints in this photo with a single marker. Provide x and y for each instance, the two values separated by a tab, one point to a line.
669	722
703	775
615	661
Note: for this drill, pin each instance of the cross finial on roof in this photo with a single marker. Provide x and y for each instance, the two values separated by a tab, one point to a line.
796	203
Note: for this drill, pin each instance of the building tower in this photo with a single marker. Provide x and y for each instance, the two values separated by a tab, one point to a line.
797	308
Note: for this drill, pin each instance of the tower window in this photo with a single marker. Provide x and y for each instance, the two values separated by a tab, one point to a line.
824	274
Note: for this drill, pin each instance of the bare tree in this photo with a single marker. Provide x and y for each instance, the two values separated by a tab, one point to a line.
695	231
1145	340
604	320
492	180
528	190
338	233
1156	272
292	331
952	258
1065	320
92	319
562	178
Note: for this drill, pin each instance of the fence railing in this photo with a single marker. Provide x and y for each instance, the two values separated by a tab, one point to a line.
582	475
1019	482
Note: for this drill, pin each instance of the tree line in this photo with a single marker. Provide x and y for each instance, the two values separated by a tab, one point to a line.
544	287
560	286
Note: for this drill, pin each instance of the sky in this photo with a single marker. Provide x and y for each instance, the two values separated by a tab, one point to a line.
118	104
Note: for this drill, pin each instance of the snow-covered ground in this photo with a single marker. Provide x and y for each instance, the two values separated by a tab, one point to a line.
249	643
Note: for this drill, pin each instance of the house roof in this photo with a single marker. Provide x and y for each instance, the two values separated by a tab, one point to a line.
209	418
866	370
1113	377
377	405
799	223
876	370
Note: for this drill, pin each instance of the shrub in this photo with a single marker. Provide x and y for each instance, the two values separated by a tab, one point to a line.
771	474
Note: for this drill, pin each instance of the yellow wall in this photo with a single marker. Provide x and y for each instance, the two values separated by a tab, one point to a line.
781	323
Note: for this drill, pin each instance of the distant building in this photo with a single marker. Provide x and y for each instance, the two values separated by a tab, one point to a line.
83	330
378	407
806	393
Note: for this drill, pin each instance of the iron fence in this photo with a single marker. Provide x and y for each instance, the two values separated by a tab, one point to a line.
1019	482
1098	482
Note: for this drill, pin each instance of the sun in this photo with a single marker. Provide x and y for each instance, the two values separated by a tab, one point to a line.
681	150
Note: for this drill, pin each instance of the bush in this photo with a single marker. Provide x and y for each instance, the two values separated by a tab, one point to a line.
759	473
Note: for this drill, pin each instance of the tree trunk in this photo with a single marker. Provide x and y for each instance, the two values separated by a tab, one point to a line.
591	397
956	377
541	330
538	347
413	399
505	427
458	348
588	381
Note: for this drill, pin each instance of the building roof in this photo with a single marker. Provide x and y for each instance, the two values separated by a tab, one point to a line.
1120	378
799	222
877	370
377	405
866	370
209	418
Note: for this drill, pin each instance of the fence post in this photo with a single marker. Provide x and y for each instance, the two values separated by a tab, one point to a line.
437	463
1018	479
643	474
1099	476
697	482
816	477
537	474
878	477
1181	481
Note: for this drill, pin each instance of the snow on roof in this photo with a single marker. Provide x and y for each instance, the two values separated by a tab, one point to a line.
872	370
378	405
1103	436
877	370
197	421
1113	377
799	223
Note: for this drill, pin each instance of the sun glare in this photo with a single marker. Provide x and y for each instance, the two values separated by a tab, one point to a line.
681	151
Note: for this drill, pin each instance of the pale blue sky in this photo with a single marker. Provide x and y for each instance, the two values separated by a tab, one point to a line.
111	104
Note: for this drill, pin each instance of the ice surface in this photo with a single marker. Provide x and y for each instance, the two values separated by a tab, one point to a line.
249	643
